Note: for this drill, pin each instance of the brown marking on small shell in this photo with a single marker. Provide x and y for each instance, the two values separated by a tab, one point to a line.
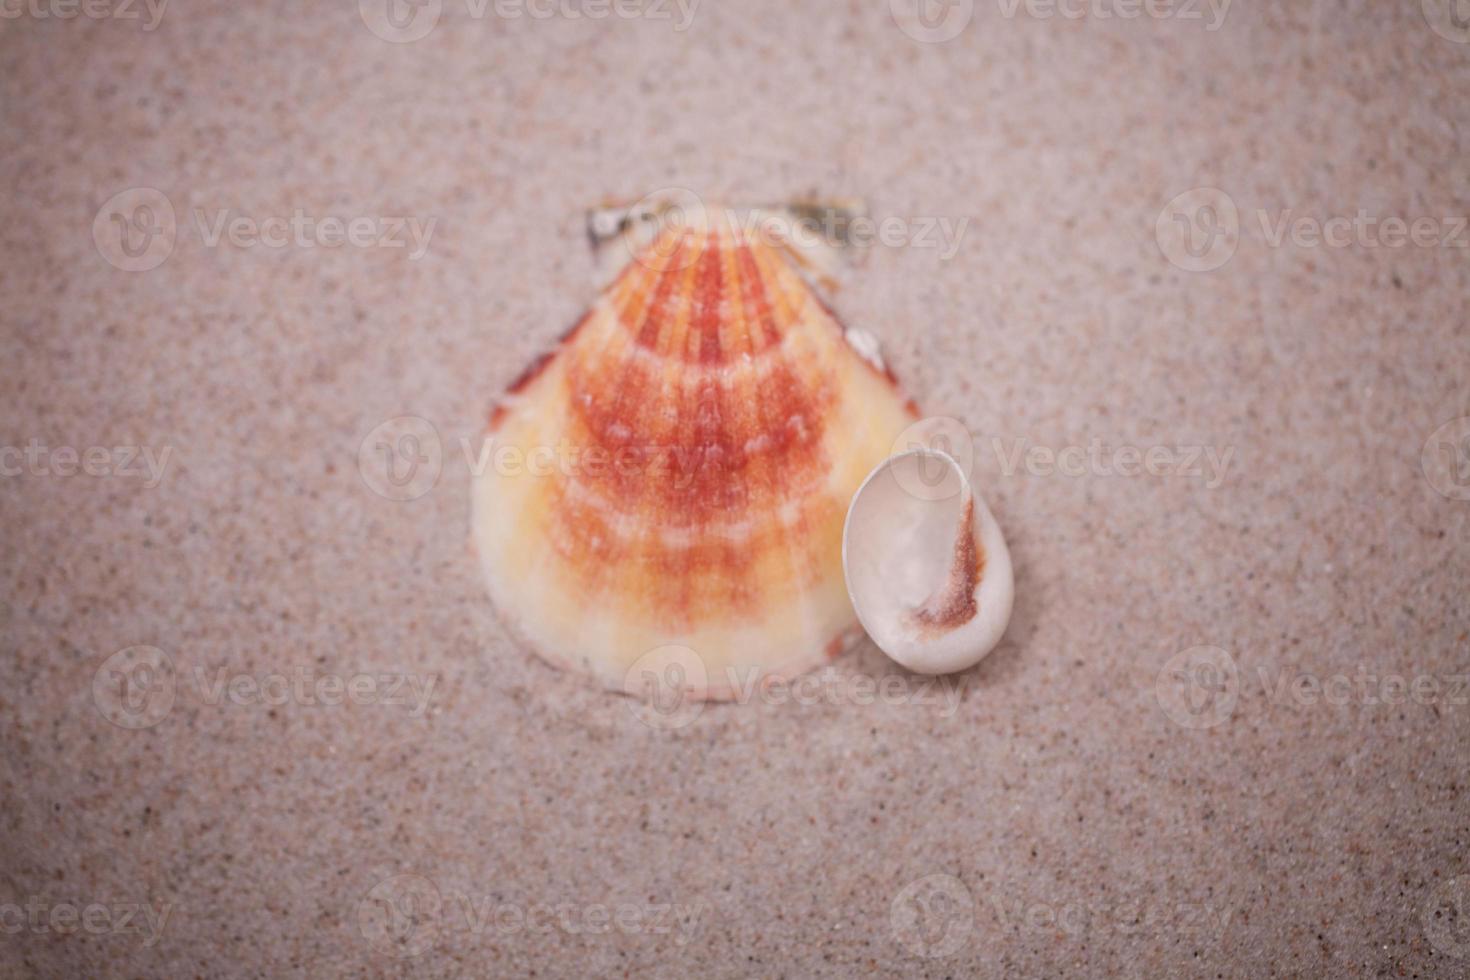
955	605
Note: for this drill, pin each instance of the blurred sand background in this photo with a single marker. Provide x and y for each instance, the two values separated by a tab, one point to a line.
1076	825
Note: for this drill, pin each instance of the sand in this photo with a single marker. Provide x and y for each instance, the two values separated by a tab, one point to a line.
328	758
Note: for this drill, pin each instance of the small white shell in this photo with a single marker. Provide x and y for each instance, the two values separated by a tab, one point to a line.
927	567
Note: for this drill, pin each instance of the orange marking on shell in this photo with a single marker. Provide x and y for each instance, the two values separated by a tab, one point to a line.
729	423
533	370
715	452
697	452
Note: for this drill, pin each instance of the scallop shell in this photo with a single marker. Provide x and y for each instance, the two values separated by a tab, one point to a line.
697	437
